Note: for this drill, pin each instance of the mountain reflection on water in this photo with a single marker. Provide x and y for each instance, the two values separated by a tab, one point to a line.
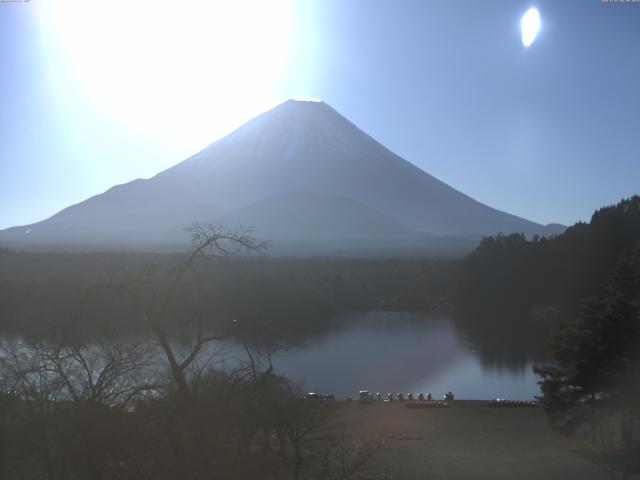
403	352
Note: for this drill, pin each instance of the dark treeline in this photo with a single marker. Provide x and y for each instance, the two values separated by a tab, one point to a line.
512	291
42	293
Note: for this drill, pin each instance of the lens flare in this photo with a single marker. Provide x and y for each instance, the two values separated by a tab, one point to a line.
530	26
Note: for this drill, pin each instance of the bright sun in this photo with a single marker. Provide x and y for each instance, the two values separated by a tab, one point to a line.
179	69
530	25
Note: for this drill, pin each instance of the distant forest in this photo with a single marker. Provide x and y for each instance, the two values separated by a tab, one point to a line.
47	293
513	291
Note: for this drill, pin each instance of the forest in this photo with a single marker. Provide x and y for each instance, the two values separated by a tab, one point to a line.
518	289
46	293
576	298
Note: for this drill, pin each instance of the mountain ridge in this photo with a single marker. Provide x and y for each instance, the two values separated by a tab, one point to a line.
294	147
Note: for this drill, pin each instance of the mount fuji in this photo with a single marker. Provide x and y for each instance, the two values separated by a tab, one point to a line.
300	174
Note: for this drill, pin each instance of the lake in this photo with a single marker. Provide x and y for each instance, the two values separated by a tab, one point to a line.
393	352
401	352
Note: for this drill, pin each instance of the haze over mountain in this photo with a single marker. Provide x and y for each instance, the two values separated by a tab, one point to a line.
299	173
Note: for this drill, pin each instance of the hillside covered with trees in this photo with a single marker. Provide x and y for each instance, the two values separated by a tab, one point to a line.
517	289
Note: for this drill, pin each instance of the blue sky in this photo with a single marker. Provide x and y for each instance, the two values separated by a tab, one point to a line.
550	132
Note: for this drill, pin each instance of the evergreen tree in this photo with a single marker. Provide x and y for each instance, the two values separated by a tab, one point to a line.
595	377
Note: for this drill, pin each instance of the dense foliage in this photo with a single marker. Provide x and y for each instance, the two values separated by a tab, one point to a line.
515	288
595	375
585	286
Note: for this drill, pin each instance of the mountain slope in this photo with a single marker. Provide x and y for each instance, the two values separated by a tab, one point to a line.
300	215
295	147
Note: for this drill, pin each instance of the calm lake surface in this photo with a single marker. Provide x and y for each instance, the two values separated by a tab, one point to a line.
401	352
391	352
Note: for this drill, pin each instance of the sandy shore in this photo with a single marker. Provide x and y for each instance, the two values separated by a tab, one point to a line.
468	440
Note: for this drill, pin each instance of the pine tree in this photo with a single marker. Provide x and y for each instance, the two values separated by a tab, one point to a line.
596	370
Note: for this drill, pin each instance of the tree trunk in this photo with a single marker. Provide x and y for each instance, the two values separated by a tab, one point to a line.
298	464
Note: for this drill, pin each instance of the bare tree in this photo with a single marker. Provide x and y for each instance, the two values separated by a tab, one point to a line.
304	421
69	400
157	292
339	457
318	447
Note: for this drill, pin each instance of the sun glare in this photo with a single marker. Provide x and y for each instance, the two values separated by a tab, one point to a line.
182	70
307	98
530	25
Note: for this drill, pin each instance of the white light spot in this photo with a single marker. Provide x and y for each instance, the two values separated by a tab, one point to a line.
530	25
306	98
187	71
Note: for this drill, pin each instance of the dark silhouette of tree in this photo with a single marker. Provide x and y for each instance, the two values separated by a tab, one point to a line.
69	404
158	291
595	376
